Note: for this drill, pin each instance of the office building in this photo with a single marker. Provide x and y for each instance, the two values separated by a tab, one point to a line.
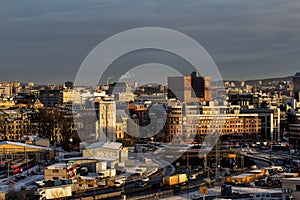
191	88
106	123
51	98
193	122
296	83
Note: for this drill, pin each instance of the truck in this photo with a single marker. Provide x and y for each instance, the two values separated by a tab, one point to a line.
106	173
174	180
105	183
54	192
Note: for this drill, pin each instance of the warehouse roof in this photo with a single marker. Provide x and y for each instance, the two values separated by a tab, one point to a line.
98	159
107	145
3	143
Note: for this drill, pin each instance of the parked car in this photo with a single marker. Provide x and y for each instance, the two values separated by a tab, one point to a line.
145	179
192	176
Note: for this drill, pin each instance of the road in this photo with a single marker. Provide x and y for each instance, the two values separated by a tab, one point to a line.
24	182
18	184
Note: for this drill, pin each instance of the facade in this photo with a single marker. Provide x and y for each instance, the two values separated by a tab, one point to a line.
13	125
104	150
269	123
69	85
70	96
296	84
189	88
60	171
121	127
118	87
294	134
6	89
106	123
291	187
194	124
50	98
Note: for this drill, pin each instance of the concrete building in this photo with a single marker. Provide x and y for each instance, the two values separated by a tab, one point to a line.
121	126
6	89
13	125
189	88
50	98
118	87
195	121
296	84
124	97
106	123
106	151
69	85
269	123
291	187
70	96
35	140
30	84
60	171
294	134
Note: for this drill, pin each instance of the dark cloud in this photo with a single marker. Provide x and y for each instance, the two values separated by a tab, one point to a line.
46	41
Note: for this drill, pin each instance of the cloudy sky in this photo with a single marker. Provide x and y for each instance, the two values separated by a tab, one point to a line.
46	41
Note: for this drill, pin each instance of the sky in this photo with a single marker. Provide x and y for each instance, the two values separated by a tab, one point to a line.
46	41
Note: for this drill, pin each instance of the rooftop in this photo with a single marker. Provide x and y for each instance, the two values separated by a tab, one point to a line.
242	175
296	179
98	159
24	145
107	145
57	166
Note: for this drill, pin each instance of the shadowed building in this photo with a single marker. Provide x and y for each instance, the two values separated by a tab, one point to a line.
106	124
296	83
189	88
51	98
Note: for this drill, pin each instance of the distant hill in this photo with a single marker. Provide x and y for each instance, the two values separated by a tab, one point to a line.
267	81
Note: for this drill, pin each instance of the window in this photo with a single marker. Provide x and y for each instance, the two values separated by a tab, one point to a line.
297	187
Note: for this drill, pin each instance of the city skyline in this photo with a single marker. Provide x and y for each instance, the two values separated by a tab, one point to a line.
131	99
247	40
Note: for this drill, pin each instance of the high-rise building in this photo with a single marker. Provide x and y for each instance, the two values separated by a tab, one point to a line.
69	85
189	88
118	87
106	124
30	84
6	89
296	83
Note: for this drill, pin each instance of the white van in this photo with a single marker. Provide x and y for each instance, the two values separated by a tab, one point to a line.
192	176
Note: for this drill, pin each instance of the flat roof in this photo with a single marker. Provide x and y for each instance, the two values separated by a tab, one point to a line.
242	176
57	165
288	174
107	145
99	159
256	171
296	179
24	145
